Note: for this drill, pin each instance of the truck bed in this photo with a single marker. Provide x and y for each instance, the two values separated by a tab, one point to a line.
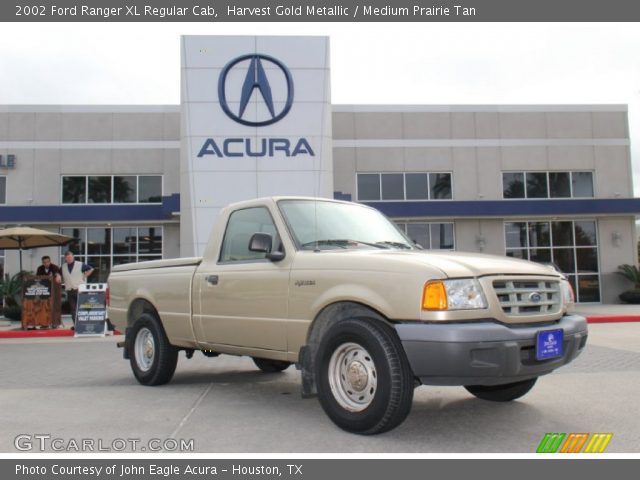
164	284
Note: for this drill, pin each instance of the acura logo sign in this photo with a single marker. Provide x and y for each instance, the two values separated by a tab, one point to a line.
262	71
268	82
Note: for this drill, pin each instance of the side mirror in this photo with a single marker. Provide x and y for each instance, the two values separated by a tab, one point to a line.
260	242
263	243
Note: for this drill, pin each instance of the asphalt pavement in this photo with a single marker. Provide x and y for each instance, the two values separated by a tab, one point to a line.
65	391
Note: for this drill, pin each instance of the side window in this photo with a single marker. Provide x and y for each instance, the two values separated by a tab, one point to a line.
241	226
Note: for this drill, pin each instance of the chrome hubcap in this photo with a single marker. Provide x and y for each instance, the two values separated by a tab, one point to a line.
145	348
352	377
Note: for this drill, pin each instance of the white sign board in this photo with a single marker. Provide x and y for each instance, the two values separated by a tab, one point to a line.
256	121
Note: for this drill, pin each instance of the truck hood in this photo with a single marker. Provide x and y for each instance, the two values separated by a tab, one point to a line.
460	264
440	263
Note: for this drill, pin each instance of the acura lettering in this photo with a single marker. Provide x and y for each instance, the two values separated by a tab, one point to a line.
263	147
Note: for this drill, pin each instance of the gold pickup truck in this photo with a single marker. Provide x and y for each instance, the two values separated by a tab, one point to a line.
362	311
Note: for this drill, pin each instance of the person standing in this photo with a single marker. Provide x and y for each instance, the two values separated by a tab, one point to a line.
51	270
48	269
74	274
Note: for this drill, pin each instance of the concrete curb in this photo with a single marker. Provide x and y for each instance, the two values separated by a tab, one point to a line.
59	332
48	333
613	318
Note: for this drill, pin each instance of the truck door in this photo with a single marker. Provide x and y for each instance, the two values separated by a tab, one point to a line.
242	296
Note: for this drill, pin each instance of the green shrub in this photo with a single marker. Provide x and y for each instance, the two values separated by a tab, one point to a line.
11	289
631	273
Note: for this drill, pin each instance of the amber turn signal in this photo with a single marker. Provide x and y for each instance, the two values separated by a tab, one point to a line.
434	296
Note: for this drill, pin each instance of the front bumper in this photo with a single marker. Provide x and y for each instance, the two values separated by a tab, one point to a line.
484	353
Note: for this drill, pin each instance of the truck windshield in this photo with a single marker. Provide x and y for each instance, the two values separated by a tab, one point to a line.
333	225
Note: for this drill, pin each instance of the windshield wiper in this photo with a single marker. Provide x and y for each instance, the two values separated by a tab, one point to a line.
394	244
342	243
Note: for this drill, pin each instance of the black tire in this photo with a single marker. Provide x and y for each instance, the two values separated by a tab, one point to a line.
271	366
159	368
502	393
384	405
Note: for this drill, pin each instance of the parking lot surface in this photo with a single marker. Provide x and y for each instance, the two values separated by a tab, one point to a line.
75	389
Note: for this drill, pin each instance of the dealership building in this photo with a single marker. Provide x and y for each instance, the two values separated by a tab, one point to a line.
548	183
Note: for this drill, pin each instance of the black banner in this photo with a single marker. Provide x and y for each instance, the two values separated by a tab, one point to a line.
320	11
37	288
316	469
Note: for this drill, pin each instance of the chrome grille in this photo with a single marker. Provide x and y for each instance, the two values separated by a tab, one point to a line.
527	297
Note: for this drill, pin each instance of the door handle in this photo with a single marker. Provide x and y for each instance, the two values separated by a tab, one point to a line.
212	279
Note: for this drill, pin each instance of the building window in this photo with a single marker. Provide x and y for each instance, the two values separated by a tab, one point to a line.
368	186
99	189
572	246
102	248
431	236
439	186
403	186
3	190
417	186
560	184
125	189
537	185
149	189
74	189
112	189
547	185
392	186
582	184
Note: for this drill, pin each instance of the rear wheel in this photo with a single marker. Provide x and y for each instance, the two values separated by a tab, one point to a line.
502	393
271	366
153	359
365	384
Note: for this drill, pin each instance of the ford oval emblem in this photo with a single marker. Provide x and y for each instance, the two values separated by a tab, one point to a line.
535	297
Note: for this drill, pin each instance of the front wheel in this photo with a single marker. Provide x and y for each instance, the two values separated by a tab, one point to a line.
365	383
502	393
153	359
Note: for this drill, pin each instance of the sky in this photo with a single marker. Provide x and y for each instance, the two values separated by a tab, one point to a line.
371	63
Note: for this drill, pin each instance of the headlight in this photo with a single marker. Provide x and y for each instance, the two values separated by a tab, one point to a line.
453	295
568	297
